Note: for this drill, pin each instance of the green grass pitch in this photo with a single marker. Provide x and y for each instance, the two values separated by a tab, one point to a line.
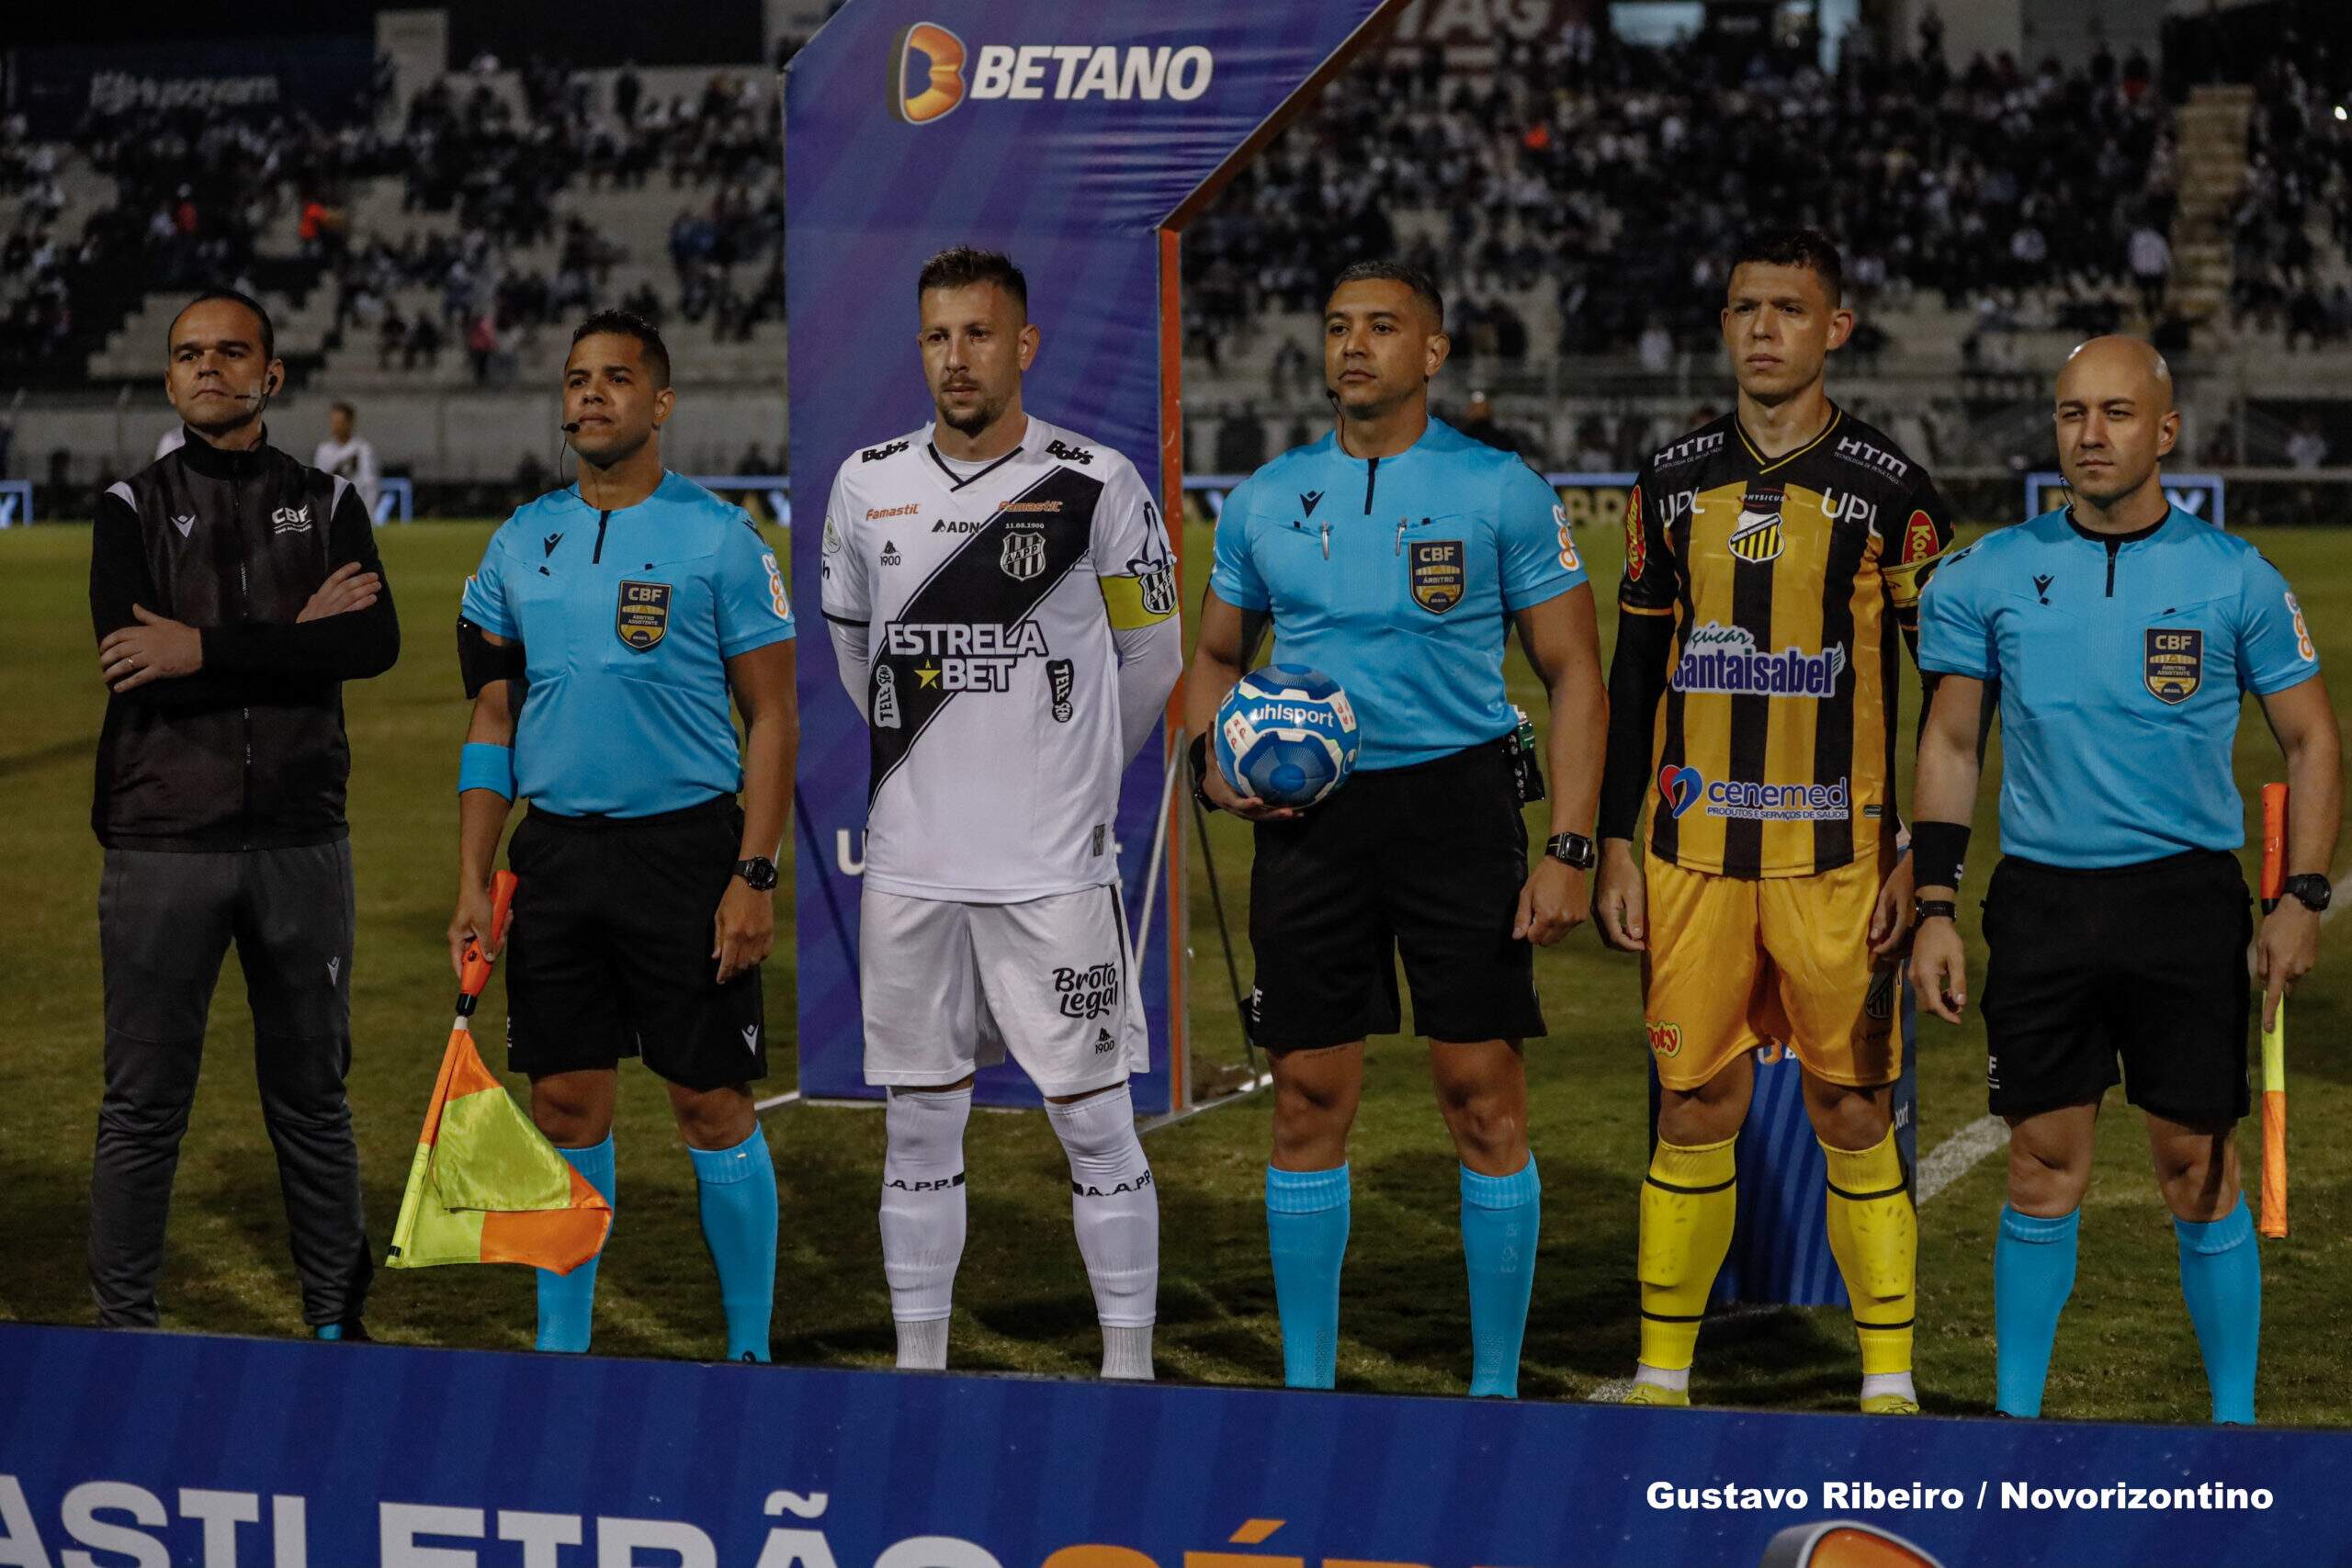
2125	1350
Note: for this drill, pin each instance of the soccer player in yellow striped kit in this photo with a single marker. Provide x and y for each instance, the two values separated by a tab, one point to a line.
1772	559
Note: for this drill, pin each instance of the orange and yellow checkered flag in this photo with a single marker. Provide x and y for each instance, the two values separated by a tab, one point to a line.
486	1187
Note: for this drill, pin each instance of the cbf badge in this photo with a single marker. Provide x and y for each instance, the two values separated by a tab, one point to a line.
644	616
2176	664
1438	574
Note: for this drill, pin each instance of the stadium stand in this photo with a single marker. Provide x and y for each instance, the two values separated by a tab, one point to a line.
1572	193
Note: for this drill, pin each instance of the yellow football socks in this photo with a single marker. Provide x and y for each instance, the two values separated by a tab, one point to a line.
1874	1234
1688	1204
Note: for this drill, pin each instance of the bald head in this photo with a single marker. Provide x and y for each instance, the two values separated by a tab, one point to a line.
2115	424
2106	363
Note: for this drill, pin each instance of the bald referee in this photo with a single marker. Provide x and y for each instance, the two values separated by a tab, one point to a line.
2123	633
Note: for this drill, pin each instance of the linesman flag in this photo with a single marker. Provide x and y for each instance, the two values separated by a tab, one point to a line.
485	1186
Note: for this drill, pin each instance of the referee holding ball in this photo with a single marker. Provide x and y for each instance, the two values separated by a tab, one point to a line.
1395	555
2124	634
601	640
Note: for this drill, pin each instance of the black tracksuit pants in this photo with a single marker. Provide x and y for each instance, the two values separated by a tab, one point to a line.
165	920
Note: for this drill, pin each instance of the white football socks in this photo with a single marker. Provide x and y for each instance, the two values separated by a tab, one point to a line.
1115	1208
922	1217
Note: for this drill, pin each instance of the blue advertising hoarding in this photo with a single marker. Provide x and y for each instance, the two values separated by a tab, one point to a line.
161	1448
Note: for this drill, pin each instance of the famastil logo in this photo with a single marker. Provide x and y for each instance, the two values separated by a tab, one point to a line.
1680	788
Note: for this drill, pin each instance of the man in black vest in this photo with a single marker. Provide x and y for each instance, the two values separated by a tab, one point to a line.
233	589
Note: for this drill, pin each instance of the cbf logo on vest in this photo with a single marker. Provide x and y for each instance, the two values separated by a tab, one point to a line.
643	618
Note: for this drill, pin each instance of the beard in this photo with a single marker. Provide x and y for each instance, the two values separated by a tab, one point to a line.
987	413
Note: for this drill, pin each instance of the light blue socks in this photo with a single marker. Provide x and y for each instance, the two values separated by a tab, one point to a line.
568	1302
1307	1231
2033	1273
1502	1217
738	1215
2221	1277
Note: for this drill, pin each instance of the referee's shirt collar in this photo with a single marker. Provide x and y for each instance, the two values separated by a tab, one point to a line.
2133	537
1427	436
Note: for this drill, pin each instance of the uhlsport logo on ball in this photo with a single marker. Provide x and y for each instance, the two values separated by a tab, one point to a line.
1286	735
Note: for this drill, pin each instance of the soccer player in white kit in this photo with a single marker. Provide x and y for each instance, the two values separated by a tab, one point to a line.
1003	603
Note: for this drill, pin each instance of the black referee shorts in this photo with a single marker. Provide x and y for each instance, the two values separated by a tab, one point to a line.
610	955
2143	962
1427	861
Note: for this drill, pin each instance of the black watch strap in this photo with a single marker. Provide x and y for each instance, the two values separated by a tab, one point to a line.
2312	891
1931	908
758	873
1572	850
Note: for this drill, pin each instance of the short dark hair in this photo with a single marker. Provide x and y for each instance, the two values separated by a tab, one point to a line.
1785	246
1411	277
959	266
345	408
628	323
268	330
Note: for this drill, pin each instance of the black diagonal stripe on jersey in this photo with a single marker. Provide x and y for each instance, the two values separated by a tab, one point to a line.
1832	728
1751	717
972	588
1665	836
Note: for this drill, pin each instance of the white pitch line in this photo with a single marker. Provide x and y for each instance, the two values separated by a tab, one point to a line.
1956	1155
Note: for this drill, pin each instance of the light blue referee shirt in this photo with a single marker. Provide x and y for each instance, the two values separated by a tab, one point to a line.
2123	661
1394	576
626	620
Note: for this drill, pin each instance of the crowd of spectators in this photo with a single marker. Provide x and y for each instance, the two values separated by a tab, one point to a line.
197	192
1615	174
2291	231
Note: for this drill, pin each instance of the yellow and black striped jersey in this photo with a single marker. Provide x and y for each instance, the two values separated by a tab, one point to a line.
1787	578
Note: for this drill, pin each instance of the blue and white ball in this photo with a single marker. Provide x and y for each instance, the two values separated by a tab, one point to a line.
1287	734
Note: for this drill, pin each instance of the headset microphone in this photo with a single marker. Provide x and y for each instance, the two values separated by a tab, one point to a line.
571	429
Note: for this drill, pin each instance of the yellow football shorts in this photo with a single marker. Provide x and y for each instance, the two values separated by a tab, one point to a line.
1735	963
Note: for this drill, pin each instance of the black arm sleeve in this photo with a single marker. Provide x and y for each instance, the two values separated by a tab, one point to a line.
119	580
1636	680
349	646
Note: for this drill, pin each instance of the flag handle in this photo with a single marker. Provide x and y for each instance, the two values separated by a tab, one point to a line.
2274	1039
476	974
473	976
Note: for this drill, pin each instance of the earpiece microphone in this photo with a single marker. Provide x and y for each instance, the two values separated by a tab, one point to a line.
571	429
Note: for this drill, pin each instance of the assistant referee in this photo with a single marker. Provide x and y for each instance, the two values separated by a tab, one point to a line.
601	640
1395	555
2123	633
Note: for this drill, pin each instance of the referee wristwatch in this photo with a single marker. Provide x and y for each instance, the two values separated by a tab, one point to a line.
2312	891
1572	850
1924	909
758	873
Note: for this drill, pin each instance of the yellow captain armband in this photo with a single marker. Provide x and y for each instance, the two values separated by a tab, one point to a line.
1141	601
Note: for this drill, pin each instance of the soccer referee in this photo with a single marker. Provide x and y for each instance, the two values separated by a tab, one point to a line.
1395	555
601	640
2124	633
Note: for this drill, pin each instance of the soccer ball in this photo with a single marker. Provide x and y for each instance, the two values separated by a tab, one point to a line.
1286	735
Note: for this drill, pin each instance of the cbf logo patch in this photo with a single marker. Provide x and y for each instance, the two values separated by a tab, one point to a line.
1439	574
644	618
1023	556
2176	662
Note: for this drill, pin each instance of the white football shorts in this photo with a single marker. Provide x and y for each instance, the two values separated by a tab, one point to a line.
948	988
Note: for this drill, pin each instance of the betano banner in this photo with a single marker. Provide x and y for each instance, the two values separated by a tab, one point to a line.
1077	139
157	1449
